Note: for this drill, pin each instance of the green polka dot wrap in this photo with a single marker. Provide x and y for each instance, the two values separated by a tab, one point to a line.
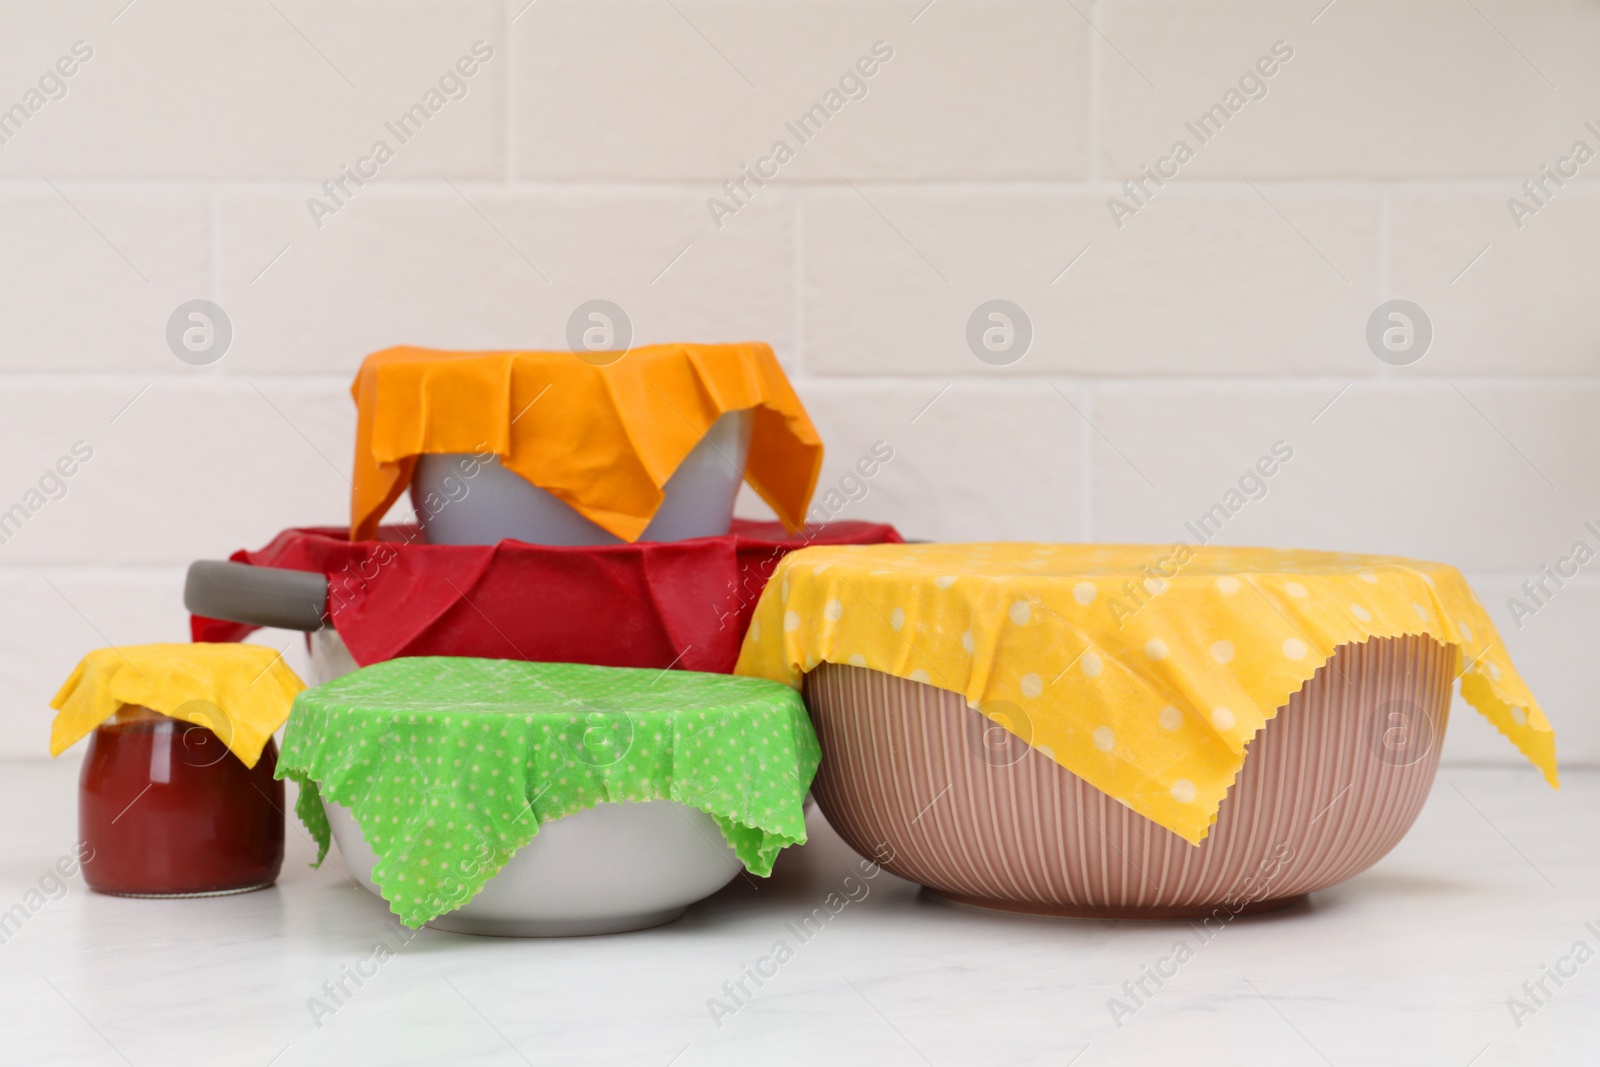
450	765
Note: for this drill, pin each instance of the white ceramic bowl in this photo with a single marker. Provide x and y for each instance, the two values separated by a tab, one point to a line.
497	504
611	868
330	656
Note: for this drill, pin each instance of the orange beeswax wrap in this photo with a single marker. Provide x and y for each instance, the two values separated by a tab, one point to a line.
241	693
1148	688
602	438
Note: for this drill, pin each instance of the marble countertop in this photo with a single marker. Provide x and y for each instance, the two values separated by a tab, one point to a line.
1413	962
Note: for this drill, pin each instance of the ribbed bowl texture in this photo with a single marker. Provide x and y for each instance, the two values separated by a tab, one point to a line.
937	793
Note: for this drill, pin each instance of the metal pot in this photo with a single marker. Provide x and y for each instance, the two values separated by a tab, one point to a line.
613	867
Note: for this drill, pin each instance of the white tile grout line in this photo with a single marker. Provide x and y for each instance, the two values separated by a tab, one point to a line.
178	567
1384	277
138	575
1017	383
125	572
1092	119
1086	468
1495	187
509	88
1384	274
214	240
798	285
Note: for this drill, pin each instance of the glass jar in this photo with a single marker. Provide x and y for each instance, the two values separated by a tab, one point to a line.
166	810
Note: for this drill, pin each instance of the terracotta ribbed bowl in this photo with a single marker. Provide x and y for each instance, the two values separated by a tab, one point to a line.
939	794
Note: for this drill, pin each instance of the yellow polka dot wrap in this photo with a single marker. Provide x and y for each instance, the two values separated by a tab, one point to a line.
1144	670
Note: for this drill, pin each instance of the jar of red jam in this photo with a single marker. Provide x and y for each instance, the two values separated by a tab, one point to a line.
166	810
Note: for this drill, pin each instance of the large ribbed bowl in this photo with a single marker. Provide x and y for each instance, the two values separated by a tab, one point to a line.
913	777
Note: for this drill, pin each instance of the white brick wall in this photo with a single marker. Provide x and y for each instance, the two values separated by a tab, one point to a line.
1168	352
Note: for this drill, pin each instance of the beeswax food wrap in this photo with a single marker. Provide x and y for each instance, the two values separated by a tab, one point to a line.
1145	671
604	439
662	604
450	765
241	693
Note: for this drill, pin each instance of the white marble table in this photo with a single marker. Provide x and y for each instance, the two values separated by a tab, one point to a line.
1410	963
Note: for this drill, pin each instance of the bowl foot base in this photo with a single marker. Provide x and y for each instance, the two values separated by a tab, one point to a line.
179	894
608	924
1186	912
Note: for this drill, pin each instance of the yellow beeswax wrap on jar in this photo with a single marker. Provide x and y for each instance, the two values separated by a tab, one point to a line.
241	693
1147	687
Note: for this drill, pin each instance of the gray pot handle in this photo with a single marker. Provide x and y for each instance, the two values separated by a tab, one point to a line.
260	596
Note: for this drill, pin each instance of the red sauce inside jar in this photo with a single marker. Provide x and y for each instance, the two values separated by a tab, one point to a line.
166	810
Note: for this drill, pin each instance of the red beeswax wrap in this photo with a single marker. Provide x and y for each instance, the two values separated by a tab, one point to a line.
654	604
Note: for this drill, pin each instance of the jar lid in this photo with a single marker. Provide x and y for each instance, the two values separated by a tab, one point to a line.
442	758
242	693
1145	670
605	441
